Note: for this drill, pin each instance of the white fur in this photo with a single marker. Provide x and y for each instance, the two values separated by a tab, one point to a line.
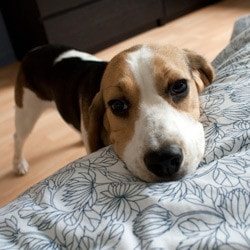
74	53
159	123
25	119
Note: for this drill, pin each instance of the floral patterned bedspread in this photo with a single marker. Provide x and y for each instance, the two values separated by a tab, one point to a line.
95	203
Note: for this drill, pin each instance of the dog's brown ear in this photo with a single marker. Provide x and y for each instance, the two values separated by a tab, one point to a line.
95	126
201	69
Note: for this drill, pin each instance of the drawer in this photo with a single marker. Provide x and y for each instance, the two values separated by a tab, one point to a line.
94	25
176	8
49	7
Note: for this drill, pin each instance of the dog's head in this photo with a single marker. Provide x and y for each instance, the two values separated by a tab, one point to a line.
148	108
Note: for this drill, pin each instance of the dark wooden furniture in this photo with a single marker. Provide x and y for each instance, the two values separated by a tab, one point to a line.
6	52
88	25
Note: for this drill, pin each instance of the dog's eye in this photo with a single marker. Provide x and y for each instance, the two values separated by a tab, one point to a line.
119	107
179	87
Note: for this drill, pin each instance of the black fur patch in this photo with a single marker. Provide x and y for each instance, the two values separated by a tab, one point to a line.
65	82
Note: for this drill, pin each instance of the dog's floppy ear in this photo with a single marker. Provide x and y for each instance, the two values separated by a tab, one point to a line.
95	126
201	69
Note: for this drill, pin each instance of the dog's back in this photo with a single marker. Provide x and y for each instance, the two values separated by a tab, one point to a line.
53	75
35	70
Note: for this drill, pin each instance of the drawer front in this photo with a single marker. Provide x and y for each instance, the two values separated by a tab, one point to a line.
90	26
176	8
50	7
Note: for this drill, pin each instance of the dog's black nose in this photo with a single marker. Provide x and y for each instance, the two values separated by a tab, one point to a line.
164	162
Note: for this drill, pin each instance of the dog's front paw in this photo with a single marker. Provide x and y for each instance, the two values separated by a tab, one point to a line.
21	167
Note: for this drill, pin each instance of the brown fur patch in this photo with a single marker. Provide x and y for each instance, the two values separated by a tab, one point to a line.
19	88
170	65
94	123
200	65
118	82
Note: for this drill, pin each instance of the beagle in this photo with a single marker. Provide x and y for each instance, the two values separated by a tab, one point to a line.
145	102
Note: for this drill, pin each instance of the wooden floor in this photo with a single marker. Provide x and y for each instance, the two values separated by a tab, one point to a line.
52	143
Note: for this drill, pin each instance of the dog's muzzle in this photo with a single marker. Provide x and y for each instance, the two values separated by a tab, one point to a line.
165	162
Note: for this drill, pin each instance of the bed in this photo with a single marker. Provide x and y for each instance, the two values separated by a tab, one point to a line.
95	203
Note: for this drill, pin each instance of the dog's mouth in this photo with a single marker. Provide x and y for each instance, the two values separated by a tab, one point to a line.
154	167
157	159
163	177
